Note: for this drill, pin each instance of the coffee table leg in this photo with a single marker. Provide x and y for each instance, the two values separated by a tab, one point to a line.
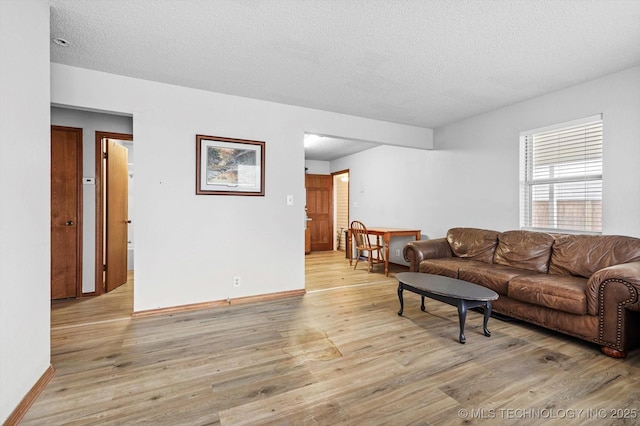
487	314
400	288
422	308
462	316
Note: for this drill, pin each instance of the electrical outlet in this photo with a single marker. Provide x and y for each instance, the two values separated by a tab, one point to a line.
397	252
236	281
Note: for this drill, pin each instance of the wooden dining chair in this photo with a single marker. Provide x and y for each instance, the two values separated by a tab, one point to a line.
375	252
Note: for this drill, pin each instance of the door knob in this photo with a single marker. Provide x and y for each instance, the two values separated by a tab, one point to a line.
69	223
128	221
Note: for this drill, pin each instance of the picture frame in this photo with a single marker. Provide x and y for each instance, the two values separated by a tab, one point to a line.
227	166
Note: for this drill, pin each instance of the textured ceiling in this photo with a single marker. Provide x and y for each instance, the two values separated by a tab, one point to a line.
418	62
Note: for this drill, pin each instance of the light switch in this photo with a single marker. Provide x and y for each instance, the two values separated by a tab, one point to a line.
89	181
289	200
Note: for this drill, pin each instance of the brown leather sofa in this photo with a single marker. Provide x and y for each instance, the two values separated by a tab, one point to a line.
586	286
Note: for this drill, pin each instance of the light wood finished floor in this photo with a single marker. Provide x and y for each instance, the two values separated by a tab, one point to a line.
332	356
114	306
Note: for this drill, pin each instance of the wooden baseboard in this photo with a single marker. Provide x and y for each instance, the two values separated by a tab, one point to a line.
31	396
217	303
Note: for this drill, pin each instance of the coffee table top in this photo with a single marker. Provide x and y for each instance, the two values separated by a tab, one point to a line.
445	286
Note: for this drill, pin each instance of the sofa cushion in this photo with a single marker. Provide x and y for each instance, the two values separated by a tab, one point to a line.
524	249
582	255
447	267
559	292
472	243
495	277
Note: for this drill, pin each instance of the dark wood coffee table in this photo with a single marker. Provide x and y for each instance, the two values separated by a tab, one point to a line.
455	292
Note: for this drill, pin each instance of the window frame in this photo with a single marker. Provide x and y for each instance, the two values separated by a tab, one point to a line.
528	181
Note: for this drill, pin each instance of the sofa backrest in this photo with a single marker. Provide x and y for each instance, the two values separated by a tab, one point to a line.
525	250
473	243
582	255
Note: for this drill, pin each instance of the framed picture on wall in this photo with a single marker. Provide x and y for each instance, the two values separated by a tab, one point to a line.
226	166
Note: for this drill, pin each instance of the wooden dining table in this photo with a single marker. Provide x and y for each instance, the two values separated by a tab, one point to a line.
386	234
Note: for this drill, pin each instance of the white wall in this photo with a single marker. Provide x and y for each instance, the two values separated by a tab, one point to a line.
90	122
24	199
189	247
386	184
315	167
471	178
480	155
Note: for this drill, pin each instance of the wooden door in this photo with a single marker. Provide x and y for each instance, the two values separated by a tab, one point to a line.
320	210
117	215
66	208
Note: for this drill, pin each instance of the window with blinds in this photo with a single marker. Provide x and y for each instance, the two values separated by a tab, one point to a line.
561	177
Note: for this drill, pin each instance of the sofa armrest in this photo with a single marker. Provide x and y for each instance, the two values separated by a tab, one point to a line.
417	251
610	293
599	287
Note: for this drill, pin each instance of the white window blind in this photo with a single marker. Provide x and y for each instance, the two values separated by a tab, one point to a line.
561	177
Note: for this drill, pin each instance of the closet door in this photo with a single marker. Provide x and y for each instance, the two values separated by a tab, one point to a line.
66	212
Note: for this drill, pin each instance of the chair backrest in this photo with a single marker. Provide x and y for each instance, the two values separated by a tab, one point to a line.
359	232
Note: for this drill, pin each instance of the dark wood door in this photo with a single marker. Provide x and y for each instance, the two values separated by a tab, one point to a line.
66	205
117	215
320	210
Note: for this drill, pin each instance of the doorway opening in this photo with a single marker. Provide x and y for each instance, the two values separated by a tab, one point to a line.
329	268
324	153
115	303
341	208
114	195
